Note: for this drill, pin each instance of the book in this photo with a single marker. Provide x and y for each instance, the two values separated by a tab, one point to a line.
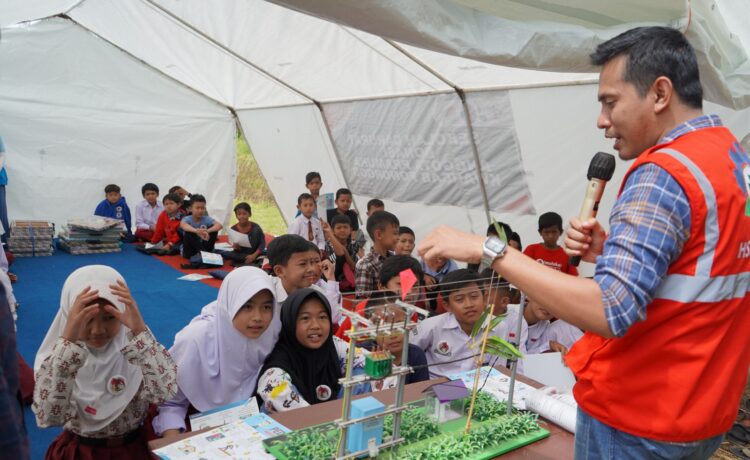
240	238
241	439
209	258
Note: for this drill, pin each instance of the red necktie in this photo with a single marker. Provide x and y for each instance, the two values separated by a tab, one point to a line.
310	231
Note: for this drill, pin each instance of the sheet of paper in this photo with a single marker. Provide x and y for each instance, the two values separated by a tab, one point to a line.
548	368
241	439
240	238
224	414
212	259
497	384
194	277
222	247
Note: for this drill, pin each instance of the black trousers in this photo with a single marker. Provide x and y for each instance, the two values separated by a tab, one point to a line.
193	244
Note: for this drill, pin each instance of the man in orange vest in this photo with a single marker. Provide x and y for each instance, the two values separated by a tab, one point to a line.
661	368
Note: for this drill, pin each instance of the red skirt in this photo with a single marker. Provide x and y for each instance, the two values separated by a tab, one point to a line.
69	446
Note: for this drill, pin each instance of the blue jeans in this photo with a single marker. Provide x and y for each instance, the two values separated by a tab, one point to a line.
596	441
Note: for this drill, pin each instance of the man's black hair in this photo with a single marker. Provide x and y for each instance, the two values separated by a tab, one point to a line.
281	248
343	191
112	188
173	197
375	203
340	219
461	278
312	175
244	206
197	198
303	197
550	219
407	230
394	265
149	187
653	52
379	220
491	231
174	188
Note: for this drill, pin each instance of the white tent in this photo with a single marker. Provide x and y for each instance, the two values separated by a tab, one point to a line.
132	91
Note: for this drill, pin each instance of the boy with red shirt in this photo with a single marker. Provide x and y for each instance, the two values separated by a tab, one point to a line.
548	252
168	224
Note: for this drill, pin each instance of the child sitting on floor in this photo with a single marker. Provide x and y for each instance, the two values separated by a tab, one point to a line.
209	373
445	338
306	364
296	265
307	225
242	255
147	212
342	251
382	226
199	229
168	225
98	369
386	312
406	242
114	206
343	208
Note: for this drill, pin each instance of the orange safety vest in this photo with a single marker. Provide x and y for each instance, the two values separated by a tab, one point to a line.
678	375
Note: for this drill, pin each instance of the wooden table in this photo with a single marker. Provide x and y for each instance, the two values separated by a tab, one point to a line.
558	446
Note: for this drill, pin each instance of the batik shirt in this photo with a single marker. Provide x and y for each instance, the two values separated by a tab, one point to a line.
53	404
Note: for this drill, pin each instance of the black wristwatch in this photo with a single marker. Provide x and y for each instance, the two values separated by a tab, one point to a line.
493	248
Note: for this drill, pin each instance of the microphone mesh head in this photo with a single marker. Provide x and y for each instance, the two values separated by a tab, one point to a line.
602	167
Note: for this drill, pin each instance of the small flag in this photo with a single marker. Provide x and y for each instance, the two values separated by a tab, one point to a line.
408	280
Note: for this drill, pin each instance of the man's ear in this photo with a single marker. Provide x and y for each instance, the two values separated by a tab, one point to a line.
278	270
662	91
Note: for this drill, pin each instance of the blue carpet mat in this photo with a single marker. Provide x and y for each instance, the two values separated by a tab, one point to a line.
167	305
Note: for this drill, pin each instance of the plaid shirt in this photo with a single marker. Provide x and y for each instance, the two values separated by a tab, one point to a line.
367	273
649	225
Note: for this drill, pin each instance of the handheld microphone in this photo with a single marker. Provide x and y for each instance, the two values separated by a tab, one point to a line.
601	169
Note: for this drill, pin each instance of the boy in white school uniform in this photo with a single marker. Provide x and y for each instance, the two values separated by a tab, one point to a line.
445	338
307	225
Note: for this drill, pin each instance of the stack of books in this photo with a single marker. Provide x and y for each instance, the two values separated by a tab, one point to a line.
31	238
91	235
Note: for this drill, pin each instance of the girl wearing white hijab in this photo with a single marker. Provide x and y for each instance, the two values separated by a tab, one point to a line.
221	351
98	369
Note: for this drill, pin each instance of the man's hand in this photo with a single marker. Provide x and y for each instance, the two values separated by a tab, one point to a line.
453	244
557	347
327	231
329	271
585	239
203	234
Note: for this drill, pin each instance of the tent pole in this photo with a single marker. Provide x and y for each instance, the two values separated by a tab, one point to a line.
338	159
467	116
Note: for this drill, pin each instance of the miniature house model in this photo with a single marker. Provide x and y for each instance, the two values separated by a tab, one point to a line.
446	401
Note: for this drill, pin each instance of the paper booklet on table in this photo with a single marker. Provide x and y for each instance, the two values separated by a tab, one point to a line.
240	238
241	439
210	258
497	384
224	414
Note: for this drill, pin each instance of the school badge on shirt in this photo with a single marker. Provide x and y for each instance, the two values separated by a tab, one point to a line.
117	385
443	348
323	392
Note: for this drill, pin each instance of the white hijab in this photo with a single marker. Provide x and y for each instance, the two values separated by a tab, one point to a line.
216	363
102	364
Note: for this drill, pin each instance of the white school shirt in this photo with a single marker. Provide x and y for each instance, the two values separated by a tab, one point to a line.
562	332
299	227
532	337
442	339
511	324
